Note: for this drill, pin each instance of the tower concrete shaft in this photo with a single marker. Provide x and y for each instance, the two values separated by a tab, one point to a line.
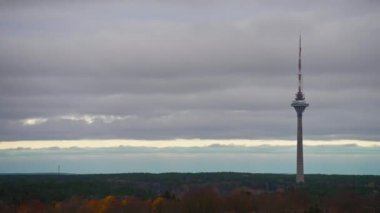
300	107
300	173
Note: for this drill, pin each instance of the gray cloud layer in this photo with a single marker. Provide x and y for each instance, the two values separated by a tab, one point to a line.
171	69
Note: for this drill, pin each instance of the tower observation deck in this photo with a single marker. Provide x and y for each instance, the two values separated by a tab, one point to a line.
299	105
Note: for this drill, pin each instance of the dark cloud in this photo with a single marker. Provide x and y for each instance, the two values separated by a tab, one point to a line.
154	70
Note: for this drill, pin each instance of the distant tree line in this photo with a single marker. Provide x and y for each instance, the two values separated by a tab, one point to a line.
205	200
188	192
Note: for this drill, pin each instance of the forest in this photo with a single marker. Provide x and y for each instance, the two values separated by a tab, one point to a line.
188	192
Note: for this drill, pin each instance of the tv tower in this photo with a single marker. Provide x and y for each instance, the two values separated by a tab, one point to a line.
299	105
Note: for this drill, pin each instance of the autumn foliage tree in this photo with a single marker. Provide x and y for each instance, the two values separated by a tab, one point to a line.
206	200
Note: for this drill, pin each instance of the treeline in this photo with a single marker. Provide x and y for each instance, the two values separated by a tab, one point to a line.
206	200
188	192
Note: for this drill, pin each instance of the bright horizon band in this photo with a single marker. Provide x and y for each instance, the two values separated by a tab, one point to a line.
44	144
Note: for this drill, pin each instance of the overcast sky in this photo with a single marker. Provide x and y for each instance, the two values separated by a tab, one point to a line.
165	69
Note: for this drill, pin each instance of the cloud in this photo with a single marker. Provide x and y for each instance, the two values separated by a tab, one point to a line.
87	119
90	119
165	70
33	121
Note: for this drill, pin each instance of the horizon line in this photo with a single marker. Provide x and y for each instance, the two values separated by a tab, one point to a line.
178	143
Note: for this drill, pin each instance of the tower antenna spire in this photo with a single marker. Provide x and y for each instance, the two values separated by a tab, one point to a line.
299	95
